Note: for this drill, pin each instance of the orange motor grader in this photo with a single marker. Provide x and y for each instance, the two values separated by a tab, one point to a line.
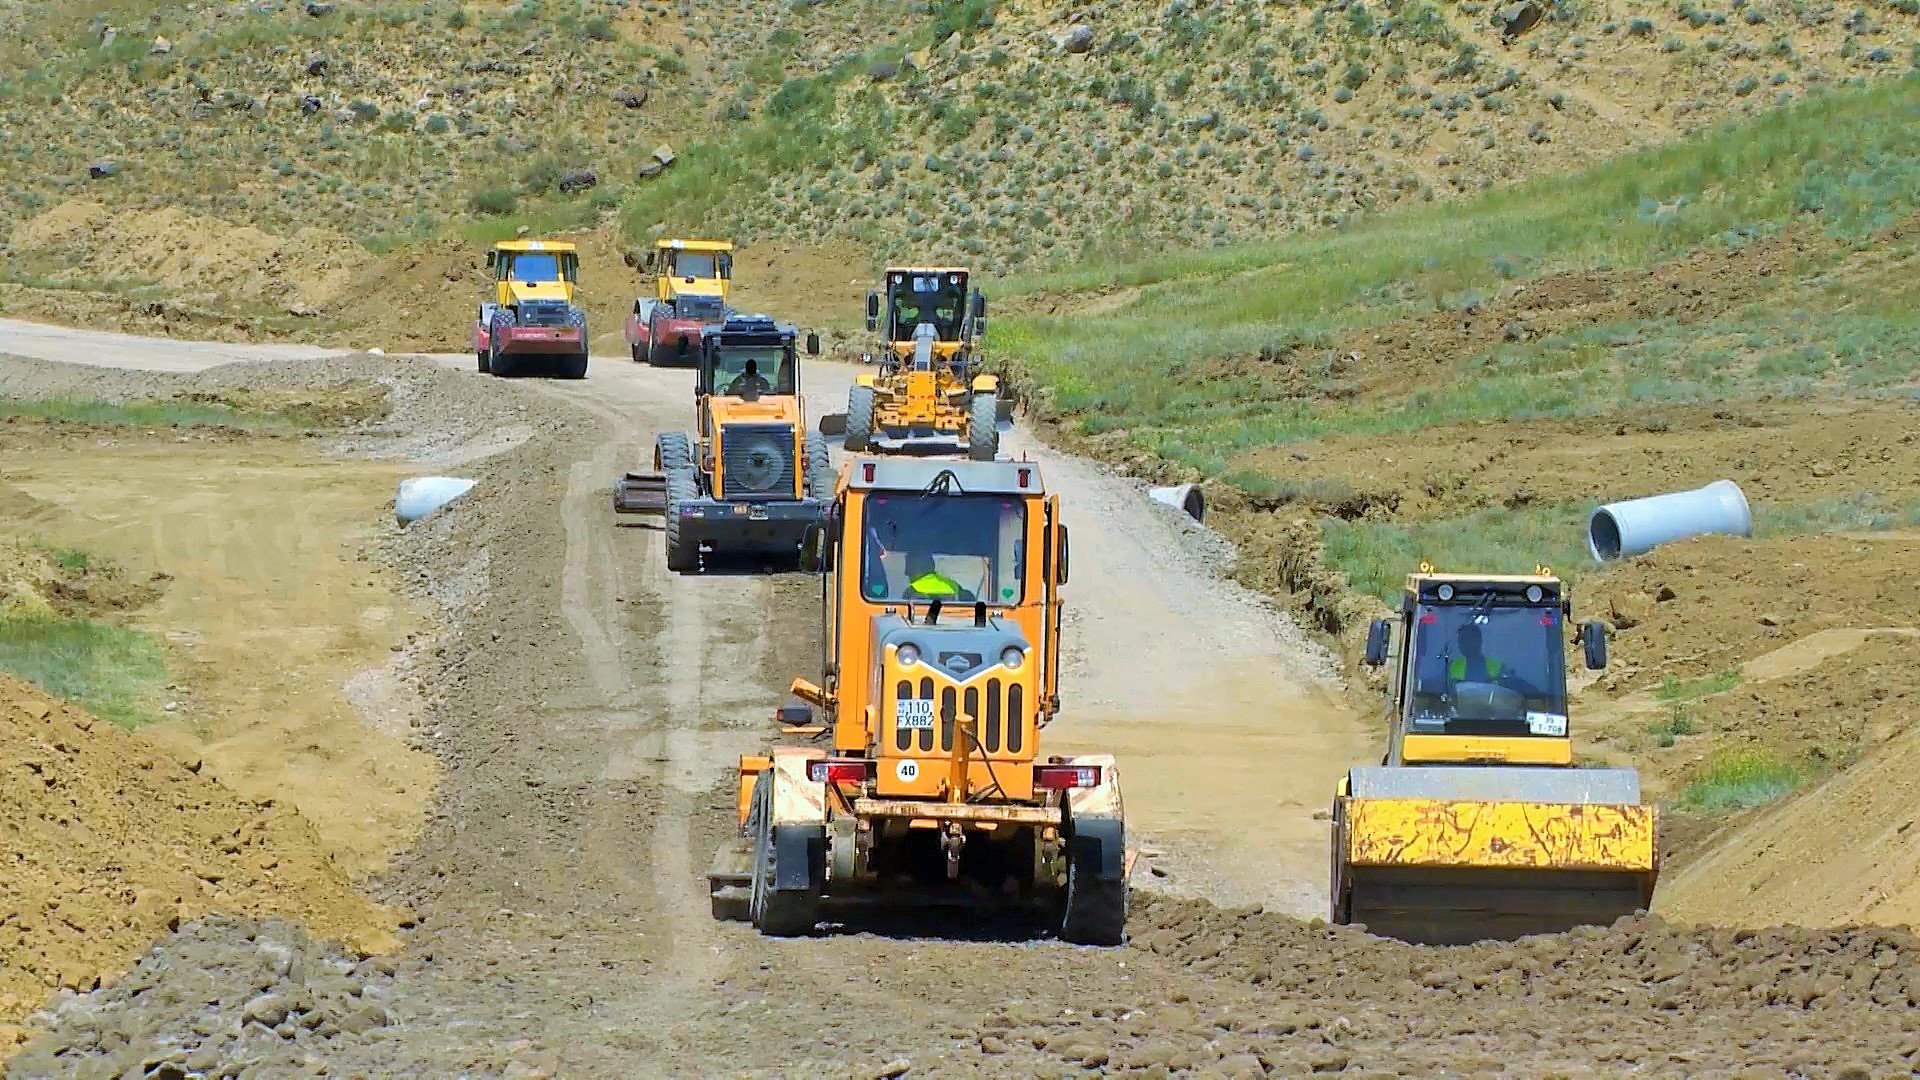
921	776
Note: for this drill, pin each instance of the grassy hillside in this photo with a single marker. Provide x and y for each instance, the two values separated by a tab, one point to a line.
189	164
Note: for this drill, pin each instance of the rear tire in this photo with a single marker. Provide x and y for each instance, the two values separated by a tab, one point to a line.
1095	912
682	557
574	367
672	450
776	913
485	365
820	476
859	419
983	431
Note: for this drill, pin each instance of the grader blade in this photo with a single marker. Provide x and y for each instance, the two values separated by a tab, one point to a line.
1448	856
640	493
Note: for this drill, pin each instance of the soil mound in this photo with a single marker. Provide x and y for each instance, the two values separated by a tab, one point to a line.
112	844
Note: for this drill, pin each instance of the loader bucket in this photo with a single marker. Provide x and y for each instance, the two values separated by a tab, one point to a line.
1449	856
640	493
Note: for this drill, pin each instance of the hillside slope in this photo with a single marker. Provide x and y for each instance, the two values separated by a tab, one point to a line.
246	169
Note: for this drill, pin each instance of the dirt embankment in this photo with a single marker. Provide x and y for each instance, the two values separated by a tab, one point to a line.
113	843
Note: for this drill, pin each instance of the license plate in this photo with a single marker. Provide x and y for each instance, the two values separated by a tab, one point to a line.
913	714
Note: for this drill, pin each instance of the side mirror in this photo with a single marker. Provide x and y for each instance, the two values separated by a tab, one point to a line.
649	261
1594	637
725	263
1063	554
813	344
979	305
873	310
1377	635
636	307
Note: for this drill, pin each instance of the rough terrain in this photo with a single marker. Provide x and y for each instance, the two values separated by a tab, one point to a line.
585	708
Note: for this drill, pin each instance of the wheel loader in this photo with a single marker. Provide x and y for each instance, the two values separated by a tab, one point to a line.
929	381
533	314
1477	824
921	779
691	279
750	479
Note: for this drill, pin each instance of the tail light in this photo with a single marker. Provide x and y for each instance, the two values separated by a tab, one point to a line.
839	771
1062	777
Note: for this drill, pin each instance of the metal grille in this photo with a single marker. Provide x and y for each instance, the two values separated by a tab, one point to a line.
997	708
756	461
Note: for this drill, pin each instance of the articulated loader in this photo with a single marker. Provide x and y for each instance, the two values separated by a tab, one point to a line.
929	383
940	672
1477	824
533	313
750	480
691	281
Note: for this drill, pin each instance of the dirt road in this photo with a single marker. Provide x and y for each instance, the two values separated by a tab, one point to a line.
587	706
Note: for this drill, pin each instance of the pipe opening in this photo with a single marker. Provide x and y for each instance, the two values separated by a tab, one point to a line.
1603	536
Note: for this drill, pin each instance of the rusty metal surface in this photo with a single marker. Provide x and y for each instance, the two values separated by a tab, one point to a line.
641	493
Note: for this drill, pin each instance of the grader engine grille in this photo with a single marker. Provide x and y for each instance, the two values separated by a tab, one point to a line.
756	461
997	706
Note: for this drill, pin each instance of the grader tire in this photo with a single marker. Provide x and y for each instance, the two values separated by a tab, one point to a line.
820	477
859	419
983	430
681	487
672	450
784	913
1095	911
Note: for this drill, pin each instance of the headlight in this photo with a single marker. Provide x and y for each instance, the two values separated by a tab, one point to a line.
1534	594
1445	592
908	654
1013	656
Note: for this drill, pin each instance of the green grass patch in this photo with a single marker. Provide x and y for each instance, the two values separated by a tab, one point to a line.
109	671
1741	780
1849	159
1668	729
1677	690
1377	556
72	560
138	414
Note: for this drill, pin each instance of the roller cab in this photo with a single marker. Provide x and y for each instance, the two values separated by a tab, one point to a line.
1478	823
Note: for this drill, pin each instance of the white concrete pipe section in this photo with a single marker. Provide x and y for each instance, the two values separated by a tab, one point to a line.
1625	529
1185	498
422	495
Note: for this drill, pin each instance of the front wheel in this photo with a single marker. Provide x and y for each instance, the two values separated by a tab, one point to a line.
1095	912
820	477
859	419
775	912
983	430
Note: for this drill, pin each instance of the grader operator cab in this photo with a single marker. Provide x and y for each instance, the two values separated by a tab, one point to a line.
1477	824
940	673
533	313
930	382
691	283
750	479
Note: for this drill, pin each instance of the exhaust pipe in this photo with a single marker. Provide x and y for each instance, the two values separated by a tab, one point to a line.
1185	498
1625	529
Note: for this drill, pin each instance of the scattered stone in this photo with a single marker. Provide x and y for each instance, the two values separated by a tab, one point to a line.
318	9
633	97
578	180
160	47
1517	18
317	64
310	104
663	154
1078	40
101	170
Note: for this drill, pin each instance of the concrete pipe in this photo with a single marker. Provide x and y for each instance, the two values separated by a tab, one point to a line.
1625	529
422	495
1185	498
